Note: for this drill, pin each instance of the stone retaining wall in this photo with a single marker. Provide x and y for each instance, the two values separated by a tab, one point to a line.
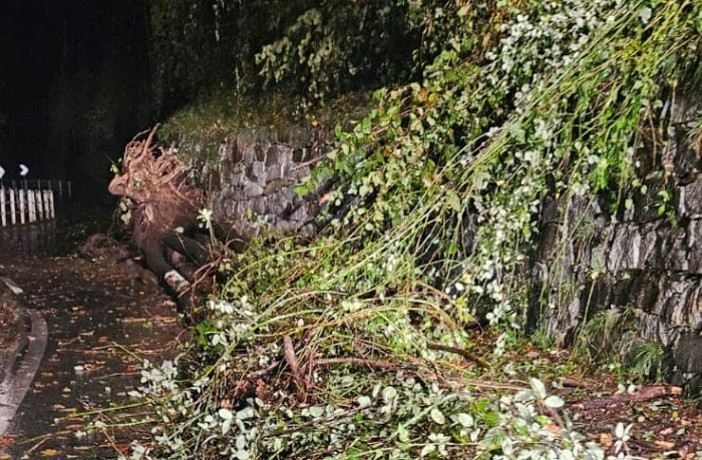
257	175
642	265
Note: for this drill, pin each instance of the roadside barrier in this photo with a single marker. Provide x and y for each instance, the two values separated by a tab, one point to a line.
25	206
61	188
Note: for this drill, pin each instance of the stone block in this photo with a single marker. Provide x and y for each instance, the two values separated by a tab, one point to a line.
673	248
285	225
694	308
690	201
236	152
234	210
694	245
276	205
260	152
272	155
255	171
650	247
288	193
252	190
274	172
688	354
648	325
258	205
625	252
299	214
285	155
298	155
644	291
675	299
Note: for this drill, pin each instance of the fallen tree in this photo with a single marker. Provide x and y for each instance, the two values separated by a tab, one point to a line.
162	209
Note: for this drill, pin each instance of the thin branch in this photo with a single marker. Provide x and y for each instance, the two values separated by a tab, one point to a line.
309	162
255	375
357	362
291	359
459	351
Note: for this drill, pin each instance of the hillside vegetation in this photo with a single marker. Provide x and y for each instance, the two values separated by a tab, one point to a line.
399	331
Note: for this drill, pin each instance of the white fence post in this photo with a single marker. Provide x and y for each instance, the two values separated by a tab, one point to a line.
32	205
39	197
52	214
2	206
22	203
48	205
27	205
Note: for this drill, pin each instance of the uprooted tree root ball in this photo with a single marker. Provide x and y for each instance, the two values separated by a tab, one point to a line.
162	208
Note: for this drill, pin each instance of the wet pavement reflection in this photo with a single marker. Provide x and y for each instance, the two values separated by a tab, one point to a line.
35	240
102	323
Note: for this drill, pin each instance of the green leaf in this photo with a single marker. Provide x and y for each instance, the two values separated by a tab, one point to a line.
389	393
366	126
554	402
437	416
245	413
619	431
242	455
466	420
426	450
645	15
402	433
538	387
316	411
453	201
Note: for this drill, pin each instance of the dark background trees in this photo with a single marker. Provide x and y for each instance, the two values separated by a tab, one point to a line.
81	78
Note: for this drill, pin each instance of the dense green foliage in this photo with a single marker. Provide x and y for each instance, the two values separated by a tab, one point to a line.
309	49
433	219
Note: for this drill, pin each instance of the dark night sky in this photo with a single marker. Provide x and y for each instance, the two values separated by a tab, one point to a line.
73	86
31	51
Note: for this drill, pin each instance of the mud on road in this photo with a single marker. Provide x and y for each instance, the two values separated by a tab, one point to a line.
103	321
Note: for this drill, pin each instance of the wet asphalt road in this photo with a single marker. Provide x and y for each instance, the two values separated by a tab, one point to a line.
102	322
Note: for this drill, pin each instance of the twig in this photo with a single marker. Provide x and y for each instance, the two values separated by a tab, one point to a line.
76	415
113	444
75	350
262	372
357	362
36	446
308	163
642	395
117	374
301	426
291	359
554	415
460	351
570	382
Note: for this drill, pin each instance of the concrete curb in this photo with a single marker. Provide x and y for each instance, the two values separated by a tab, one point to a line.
21	370
10	362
